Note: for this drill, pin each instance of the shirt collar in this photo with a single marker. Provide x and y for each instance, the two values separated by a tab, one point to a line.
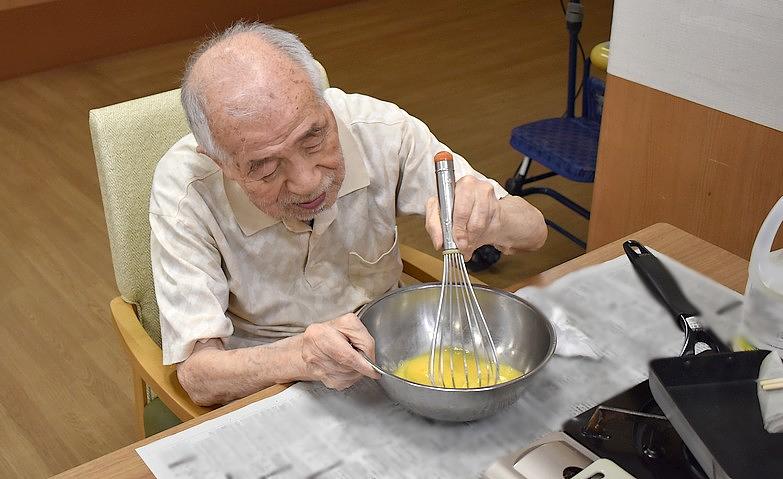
252	220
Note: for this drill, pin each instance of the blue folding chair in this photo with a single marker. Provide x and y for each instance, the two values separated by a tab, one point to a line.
568	145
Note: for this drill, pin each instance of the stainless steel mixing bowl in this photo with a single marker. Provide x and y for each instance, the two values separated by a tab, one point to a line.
402	323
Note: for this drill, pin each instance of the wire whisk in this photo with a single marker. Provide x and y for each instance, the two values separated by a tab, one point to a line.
462	353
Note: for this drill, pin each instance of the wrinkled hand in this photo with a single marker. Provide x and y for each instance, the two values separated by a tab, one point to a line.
476	216
329	355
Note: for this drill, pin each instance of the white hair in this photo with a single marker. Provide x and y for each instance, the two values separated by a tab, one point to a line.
192	95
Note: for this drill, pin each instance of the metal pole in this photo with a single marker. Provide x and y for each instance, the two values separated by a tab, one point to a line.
574	24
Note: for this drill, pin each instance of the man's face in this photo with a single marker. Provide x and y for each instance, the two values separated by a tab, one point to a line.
287	158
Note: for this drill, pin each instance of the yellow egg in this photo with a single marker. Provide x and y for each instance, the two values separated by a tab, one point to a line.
416	370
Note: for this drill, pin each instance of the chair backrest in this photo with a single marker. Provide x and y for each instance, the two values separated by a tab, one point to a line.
593	104
128	140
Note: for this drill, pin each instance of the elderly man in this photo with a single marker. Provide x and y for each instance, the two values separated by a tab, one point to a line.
275	219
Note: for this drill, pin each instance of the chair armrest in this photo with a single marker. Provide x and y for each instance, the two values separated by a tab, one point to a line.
420	266
424	267
147	359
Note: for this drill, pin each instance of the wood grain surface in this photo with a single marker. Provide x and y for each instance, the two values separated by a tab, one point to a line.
665	159
50	33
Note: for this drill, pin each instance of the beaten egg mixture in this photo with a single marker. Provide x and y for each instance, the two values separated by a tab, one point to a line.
416	370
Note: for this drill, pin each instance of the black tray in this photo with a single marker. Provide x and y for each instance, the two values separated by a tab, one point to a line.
712	402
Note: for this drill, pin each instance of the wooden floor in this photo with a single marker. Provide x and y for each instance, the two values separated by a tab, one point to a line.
470	70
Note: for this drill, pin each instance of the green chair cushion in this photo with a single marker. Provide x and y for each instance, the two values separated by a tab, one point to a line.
157	417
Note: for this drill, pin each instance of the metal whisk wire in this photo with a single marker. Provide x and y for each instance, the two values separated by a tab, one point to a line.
457	304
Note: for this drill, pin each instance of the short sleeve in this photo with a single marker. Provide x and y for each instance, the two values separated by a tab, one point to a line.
418	147
190	286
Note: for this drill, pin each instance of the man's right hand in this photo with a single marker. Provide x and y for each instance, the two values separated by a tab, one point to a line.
329	351
324	352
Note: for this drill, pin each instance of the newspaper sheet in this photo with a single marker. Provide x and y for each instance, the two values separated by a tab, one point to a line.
309	431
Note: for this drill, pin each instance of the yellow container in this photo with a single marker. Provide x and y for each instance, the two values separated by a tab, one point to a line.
599	56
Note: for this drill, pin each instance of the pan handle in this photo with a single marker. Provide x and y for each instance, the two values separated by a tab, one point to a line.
660	282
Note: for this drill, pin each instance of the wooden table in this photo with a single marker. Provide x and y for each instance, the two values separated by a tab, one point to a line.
708	259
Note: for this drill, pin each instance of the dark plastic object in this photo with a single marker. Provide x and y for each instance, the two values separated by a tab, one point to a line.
660	282
484	257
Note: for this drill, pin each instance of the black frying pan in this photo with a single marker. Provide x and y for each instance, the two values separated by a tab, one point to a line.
710	399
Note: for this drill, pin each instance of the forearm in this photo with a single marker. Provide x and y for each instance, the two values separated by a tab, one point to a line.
213	375
520	226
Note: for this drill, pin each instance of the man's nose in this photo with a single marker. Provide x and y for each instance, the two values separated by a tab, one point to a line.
304	177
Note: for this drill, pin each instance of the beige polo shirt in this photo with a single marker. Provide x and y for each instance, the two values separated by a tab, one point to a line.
223	269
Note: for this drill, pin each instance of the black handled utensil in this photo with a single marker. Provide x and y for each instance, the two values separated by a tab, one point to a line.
660	282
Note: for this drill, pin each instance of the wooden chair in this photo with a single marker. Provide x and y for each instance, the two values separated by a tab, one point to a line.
128	140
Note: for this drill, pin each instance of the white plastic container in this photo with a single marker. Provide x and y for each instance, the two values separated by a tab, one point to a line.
762	316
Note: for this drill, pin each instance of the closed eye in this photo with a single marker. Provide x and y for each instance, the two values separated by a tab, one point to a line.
314	138
316	145
262	169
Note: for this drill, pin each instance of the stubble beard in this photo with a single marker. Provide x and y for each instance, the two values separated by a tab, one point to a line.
288	206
